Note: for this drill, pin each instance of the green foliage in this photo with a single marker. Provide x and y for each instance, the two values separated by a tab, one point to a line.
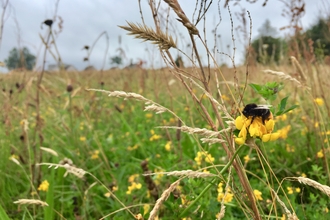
267	47
20	58
319	33
116	60
269	50
269	92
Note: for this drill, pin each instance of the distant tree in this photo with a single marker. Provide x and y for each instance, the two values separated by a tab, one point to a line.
320	34
20	58
268	49
116	60
266	30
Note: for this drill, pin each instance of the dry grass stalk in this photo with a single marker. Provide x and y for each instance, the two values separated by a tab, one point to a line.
164	41
300	69
69	169
186	173
155	108
31	202
323	188
121	94
163	198
286	77
15	160
48	150
287	211
212	140
131	95
200	131
174	4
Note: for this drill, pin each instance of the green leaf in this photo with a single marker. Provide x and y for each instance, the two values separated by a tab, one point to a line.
255	87
3	214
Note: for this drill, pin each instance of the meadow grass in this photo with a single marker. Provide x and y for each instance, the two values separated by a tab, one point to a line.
102	146
166	143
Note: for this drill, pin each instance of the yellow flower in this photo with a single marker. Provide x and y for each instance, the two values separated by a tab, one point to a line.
108	194
281	117
255	128
319	101
221	195
203	156
246	158
82	138
290	190
133	148
183	199
225	98
298	190
316	124
44	186
320	154
149	115
303	175
257	194
132	187
154	136
289	148
95	154
168	146
146	209
131	178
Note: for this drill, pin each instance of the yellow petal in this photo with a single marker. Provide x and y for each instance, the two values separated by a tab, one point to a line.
239	121
270	125
243	133
270	137
239	141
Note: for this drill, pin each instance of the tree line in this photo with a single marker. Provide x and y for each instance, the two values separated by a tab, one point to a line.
312	45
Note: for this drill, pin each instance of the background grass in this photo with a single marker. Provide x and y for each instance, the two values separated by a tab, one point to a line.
110	138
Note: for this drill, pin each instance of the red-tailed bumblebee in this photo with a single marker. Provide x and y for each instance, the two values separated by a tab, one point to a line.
255	110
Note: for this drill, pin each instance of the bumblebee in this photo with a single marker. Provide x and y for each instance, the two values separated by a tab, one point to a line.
255	110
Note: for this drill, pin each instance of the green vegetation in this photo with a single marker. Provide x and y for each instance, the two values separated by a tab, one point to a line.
20	58
168	143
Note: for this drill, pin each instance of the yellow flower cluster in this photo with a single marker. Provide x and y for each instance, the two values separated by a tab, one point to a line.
154	136
227	197
168	146
255	127
44	186
134	185
94	154
203	156
257	194
290	190
319	101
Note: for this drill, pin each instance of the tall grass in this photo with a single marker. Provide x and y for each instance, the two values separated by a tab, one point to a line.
160	143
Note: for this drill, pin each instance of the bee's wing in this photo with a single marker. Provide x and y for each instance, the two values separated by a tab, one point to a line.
263	107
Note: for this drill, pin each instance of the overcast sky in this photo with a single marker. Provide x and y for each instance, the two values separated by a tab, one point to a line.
85	20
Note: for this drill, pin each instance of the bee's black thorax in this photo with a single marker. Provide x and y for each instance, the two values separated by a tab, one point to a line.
254	110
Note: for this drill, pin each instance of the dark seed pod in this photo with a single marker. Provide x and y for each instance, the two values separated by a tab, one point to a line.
48	22
69	88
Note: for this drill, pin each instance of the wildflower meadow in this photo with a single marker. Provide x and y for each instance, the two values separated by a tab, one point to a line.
171	142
